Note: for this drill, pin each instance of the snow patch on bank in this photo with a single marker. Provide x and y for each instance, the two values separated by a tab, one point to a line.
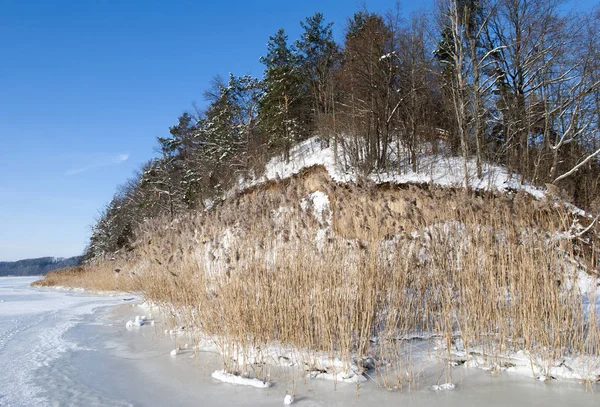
437	169
319	202
524	363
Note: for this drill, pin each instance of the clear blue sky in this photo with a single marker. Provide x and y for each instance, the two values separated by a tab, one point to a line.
87	86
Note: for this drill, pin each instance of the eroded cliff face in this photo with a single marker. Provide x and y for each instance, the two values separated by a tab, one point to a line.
309	208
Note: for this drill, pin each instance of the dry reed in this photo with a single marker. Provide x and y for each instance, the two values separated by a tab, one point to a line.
356	280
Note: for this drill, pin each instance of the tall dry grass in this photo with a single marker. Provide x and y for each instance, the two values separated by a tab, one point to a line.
100	276
380	265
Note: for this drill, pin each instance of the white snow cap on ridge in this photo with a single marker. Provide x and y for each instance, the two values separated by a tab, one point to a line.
438	169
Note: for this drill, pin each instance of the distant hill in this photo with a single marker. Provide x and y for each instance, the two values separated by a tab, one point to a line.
34	267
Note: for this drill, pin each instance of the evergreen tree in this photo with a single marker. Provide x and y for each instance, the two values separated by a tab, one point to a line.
178	153
319	56
229	127
284	95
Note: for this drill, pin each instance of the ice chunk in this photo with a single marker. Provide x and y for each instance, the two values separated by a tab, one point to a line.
445	386
225	377
344	377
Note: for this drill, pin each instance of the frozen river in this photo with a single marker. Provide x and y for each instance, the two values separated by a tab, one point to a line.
71	349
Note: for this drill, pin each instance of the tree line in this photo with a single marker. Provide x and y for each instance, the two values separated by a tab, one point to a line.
513	82
36	267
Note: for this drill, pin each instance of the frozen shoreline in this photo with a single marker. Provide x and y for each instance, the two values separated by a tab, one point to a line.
74	349
33	335
190	373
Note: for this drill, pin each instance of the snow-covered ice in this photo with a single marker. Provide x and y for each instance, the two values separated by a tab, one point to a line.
223	376
444	386
33	324
342	377
70	349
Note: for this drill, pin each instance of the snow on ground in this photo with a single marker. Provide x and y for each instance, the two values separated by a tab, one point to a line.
317	365
319	202
526	364
435	169
589	287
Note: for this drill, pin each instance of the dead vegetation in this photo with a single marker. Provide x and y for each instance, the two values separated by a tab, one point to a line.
355	276
99	276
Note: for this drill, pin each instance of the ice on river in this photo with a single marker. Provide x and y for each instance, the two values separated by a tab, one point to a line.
71	349
33	324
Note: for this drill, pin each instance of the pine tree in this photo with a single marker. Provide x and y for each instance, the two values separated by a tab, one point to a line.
319	56
284	95
178	153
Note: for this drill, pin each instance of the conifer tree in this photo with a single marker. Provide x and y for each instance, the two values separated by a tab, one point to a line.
319	56
284	95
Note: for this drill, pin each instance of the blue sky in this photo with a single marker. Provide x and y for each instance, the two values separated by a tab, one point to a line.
87	86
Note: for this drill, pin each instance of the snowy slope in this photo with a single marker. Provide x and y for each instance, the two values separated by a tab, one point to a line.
434	169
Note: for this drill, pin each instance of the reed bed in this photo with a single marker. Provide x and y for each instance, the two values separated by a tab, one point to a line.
102	275
349	283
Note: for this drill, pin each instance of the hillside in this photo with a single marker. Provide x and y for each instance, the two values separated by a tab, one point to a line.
36	267
398	100
336	272
367	197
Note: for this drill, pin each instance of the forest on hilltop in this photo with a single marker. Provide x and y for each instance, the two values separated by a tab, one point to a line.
36	267
512	82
